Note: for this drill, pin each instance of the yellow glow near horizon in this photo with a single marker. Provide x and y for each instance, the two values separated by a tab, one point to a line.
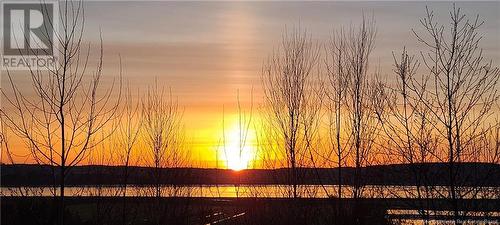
238	152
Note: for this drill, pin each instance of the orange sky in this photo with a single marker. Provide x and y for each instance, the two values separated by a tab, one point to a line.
206	52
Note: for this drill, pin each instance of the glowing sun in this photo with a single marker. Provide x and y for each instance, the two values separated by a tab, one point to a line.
238	151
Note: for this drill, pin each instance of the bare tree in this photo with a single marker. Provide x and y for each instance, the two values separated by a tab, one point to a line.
127	138
337	72
407	133
290	91
66	110
163	138
242	145
463	92
162	127
101	157
352	95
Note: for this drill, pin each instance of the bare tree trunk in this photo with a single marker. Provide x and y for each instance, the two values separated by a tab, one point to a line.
360	43
290	98
405	126
163	136
61	118
463	96
243	129
129	129
337	72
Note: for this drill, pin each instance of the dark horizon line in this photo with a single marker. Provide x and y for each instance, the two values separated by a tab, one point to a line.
250	169
436	174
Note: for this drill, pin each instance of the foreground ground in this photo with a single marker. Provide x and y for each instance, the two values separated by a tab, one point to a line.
144	210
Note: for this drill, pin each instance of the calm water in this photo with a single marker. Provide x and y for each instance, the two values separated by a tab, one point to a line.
270	191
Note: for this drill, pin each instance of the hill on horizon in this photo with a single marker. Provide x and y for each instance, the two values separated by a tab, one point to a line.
468	174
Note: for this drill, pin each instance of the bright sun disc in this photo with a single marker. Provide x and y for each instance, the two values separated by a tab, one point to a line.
237	156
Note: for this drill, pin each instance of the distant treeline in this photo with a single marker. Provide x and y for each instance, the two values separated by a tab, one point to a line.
473	174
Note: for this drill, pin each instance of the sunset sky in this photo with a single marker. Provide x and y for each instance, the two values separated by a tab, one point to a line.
208	51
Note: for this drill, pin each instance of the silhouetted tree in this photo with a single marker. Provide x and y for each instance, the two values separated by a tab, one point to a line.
242	146
407	133
337	72
126	141
463	92
360	43
60	118
162	124
291	98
